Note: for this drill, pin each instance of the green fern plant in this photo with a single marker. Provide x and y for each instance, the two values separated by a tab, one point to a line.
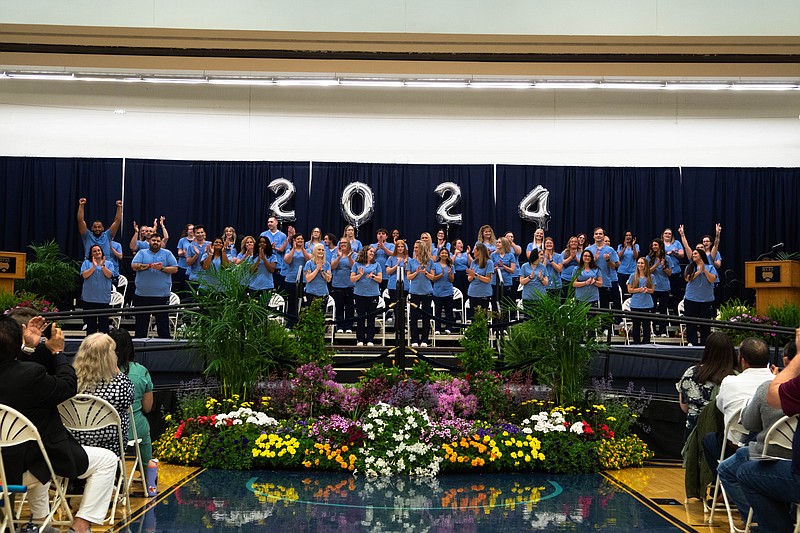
50	274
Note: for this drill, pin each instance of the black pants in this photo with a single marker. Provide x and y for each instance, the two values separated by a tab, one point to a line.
290	288
443	303
697	310
365	327
660	301
143	320
609	299
95	323
641	323
677	288
423	301
478	301
343	297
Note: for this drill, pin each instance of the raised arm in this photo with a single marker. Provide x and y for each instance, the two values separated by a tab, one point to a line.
164	232
81	221
117	219
134	244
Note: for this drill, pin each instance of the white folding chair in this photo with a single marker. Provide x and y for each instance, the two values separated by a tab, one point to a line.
278	303
627	323
85	412
117	300
733	423
780	434
682	326
174	316
16	429
138	464
458	304
382	319
122	284
330	311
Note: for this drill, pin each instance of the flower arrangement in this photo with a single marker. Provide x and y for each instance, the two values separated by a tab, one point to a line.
421	429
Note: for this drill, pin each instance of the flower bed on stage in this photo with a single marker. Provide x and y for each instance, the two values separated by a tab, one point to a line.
396	424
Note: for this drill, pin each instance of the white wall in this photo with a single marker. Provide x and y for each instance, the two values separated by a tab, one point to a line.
578	127
522	17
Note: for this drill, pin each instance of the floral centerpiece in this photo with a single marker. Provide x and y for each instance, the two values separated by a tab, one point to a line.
410	425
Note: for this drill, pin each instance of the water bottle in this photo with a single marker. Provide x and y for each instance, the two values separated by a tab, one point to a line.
152	477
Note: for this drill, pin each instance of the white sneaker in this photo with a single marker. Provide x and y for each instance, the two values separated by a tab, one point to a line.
340	330
349	331
370	344
414	345
359	343
447	332
689	344
605	333
424	344
663	335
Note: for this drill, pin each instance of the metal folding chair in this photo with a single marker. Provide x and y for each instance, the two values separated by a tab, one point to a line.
85	412
16	429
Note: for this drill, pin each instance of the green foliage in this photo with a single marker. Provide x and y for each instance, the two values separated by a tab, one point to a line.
567	455
478	354
309	332
739	312
230	449
390	374
786	315
421	371
235	334
556	342
493	401
50	274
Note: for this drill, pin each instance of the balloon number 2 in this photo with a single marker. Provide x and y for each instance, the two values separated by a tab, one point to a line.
277	207
443	214
534	207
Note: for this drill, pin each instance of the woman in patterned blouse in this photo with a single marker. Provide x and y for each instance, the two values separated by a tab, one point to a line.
697	385
96	367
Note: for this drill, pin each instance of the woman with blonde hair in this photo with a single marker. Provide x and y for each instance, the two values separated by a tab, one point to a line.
420	274
317	273
96	368
486	237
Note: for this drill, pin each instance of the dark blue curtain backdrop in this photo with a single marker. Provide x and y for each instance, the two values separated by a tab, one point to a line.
404	197
644	200
213	193
756	206
40	199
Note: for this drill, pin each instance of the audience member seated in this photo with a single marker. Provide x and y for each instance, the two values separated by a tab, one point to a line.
734	392
96	367
28	388
33	349
142	390
698	384
773	486
758	417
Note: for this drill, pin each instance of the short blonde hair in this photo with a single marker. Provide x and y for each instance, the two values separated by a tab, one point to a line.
95	362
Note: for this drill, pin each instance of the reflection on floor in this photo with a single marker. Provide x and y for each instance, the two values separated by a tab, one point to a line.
191	500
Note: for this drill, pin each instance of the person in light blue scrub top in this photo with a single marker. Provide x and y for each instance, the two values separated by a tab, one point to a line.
96	291
698	302
317	273
589	280
480	276
660	272
628	253
533	278
641	288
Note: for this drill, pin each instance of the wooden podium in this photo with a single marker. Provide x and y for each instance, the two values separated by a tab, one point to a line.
12	266
775	282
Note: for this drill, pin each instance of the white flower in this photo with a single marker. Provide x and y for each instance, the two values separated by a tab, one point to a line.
577	427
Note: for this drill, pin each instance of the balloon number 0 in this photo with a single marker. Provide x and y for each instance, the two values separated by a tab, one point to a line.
443	214
534	207
367	209
277	207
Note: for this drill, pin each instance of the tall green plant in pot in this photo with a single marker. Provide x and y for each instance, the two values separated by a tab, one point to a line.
556	342
50	274
235	334
478	354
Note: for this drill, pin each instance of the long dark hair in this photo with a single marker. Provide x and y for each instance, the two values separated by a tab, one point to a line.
267	248
719	359
124	349
592	264
691	268
657	256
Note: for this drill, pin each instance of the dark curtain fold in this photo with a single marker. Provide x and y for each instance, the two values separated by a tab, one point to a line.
213	193
404	197
757	207
644	200
40	199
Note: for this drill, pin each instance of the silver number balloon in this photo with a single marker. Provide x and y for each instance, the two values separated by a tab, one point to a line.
367	210
443	214
535	207
278	205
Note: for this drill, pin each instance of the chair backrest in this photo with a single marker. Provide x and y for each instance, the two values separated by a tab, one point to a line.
174	299
15	428
84	412
626	305
681	308
117	299
457	294
781	433
277	302
733	423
